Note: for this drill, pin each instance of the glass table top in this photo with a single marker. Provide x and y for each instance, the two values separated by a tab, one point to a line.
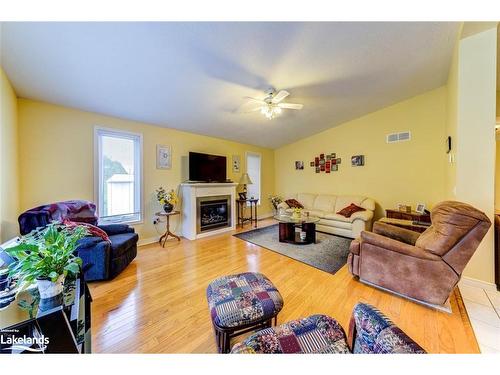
302	219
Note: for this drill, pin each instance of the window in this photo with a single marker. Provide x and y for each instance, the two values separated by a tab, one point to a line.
118	175
253	170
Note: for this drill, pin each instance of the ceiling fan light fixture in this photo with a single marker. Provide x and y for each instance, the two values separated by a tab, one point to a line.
272	105
270	111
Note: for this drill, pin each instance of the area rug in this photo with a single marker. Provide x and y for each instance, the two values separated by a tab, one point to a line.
329	253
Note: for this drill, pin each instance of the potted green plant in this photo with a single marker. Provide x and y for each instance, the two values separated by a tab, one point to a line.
46	256
166	198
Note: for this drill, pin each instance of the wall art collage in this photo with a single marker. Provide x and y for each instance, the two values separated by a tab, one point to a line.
328	163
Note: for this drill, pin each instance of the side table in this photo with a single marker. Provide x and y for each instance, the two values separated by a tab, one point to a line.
413	216
167	233
406	224
240	205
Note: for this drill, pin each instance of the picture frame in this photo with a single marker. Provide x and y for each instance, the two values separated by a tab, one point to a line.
357	160
163	157
404	208
333	155
236	163
299	165
338	161
335	168
311	164
420	208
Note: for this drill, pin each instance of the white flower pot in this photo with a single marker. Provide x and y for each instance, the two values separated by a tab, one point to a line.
49	289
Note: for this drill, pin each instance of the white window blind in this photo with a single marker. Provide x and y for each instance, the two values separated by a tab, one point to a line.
254	172
118	176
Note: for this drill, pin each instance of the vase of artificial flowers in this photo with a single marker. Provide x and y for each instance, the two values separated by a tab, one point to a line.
167	199
297	213
275	201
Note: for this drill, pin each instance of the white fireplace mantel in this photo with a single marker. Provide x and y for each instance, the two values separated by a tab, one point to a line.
189	193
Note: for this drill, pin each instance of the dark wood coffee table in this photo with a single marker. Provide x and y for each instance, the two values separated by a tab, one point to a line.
289	234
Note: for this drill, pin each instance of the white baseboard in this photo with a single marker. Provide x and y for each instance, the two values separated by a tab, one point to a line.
148	241
265	216
478	283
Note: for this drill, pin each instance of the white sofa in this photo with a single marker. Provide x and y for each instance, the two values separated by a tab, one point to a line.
326	207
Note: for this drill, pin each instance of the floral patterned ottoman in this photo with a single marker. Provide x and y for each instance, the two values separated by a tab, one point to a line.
370	332
241	303
315	334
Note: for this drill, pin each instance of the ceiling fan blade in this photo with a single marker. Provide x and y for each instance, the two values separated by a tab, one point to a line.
249	110
280	96
250	99
249	107
290	106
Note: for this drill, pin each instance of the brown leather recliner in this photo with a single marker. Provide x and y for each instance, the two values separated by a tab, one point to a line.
424	266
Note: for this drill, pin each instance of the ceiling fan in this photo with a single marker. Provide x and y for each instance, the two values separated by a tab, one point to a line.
271	106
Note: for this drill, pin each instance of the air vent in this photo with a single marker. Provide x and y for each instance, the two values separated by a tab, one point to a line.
398	137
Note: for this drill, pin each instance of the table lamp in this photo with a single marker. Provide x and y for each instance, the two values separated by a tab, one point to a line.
245	180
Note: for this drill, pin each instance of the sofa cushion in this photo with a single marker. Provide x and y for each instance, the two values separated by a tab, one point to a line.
336	217
293	203
325	202
349	210
120	243
315	334
307	200
316	213
336	223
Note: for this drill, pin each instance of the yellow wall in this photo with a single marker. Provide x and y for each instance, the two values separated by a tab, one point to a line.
452	122
497	176
407	172
498	104
56	157
475	158
9	177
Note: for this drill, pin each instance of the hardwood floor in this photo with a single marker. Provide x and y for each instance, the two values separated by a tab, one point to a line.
158	304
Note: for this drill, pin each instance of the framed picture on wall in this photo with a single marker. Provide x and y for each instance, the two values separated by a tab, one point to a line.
236	163
163	157
299	165
357	160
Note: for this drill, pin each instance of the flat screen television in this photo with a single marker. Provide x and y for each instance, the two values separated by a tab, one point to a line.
207	168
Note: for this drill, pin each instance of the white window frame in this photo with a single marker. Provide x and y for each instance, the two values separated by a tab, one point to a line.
138	167
260	172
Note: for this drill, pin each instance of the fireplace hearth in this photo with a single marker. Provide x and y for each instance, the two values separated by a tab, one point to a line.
213	213
196	195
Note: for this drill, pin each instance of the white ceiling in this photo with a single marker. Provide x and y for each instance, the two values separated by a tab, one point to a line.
193	76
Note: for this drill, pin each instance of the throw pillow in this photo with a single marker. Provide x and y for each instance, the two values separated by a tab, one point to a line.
349	210
93	230
293	203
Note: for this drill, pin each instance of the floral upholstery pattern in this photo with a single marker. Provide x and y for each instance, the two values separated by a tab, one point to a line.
315	334
241	299
370	330
375	333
